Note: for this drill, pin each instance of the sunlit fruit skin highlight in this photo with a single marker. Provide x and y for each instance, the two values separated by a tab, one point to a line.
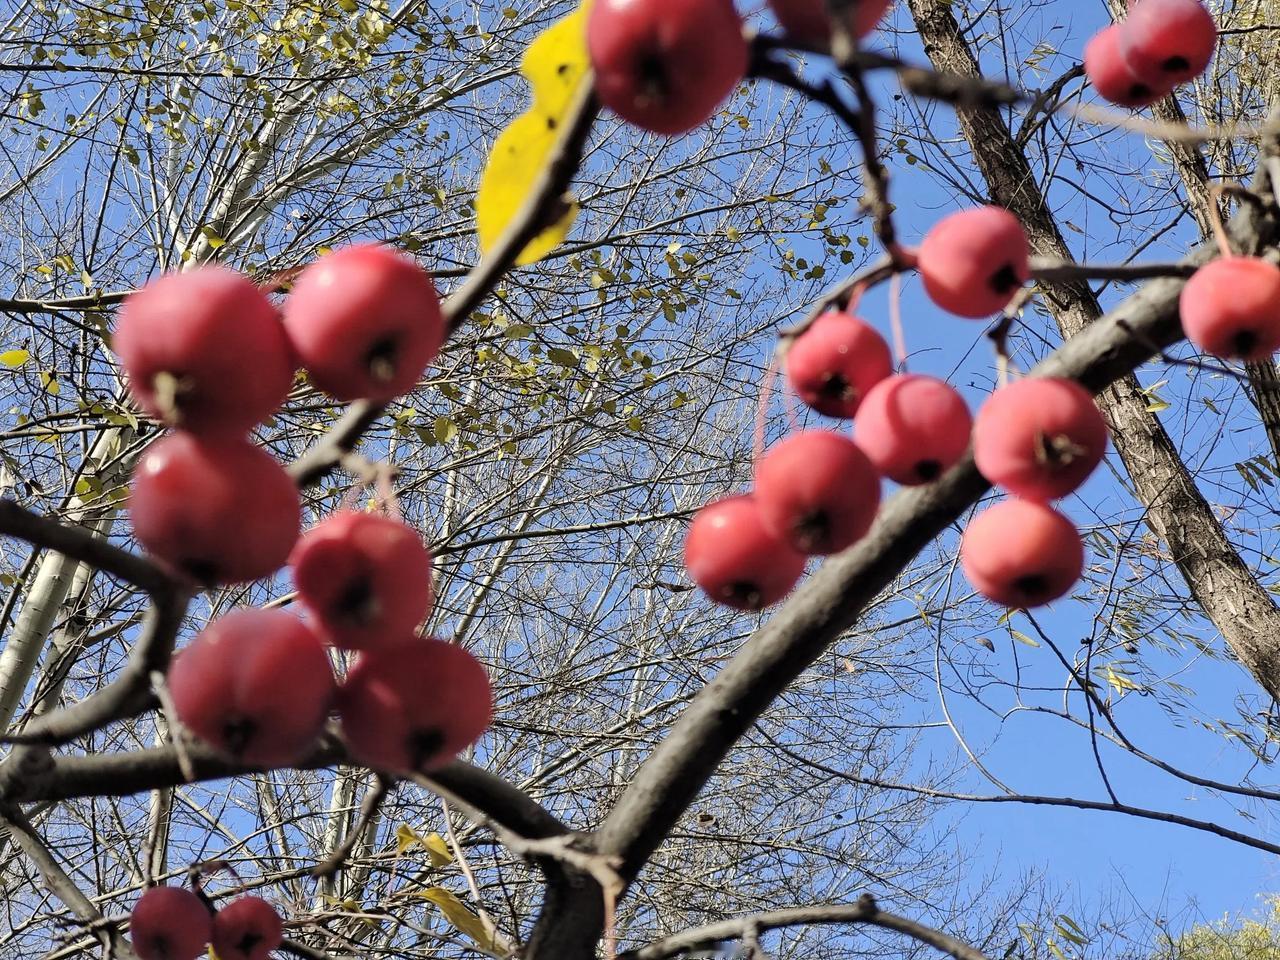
365	322
365	577
663	66
974	261
1039	438
247	928
218	511
1173	39
256	685
913	428
1231	308
732	556
1021	554
170	923
414	705
817	491
807	20
1112	77
204	350
834	363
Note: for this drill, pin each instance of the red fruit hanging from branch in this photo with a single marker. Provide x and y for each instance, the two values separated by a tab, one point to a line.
1021	554
218	510
809	22
974	261
367	578
1039	438
835	362
663	66
1172	39
817	491
730	553
170	923
1231	308
256	685
414	705
365	322
913	428
247	928
204	350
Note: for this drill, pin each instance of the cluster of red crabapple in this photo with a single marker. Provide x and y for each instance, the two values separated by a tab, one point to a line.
207	353
666	68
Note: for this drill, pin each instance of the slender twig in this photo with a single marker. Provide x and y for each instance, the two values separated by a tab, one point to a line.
864	911
368	810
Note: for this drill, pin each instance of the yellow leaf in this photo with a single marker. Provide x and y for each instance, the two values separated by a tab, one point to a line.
462	918
555	65
15	358
407	838
437	850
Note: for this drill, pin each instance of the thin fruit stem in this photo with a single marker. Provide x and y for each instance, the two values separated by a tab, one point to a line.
762	408
895	320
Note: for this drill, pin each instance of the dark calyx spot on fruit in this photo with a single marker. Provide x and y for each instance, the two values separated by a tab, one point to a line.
1057	451
202	571
835	387
238	733
424	745
1032	586
381	359
813	531
247	942
1177	64
1139	92
1244	343
1005	280
928	470
744	594
358	602
654	85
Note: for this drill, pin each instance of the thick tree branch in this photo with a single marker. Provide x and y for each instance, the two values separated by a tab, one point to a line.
80	544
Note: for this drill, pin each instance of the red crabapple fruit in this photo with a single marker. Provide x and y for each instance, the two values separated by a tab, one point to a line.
809	21
414	705
1231	308
833	364
913	428
1021	554
170	923
218	510
1113	78
732	556
817	491
365	322
247	928
204	350
663	66
1173	39
972	262
366	577
1039	438
256	685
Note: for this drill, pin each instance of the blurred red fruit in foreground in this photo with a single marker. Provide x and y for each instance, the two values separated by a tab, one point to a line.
972	262
1021	554
1231	308
913	428
835	362
732	556
169	923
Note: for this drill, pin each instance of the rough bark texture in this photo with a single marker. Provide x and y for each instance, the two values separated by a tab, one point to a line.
1219	581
